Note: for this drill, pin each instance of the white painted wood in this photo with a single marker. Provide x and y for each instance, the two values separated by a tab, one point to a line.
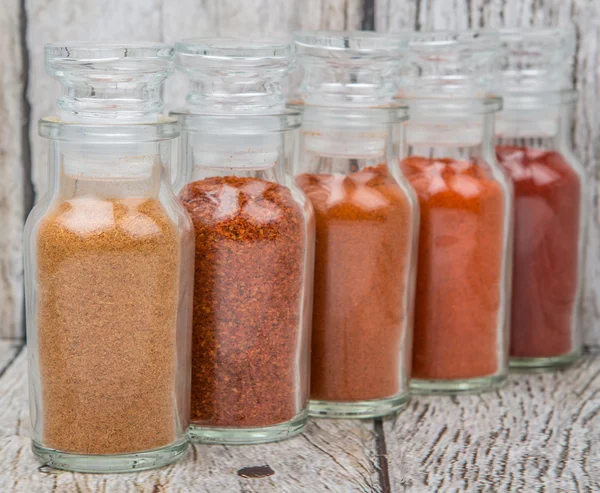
11	171
539	433
332	456
454	14
261	19
8	351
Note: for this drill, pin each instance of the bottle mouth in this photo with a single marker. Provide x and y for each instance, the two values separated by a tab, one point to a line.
76	52
364	43
536	60
236	49
563	33
109	82
478	40
232	76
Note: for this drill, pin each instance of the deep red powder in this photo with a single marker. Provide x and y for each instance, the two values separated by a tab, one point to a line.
546	248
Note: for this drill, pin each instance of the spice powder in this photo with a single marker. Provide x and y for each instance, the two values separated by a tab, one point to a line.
247	363
108	274
546	251
457	329
363	253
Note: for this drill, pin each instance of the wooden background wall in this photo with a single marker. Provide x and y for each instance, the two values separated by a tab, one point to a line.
26	93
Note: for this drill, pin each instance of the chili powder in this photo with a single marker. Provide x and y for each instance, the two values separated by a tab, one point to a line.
364	234
546	251
247	366
108	277
460	269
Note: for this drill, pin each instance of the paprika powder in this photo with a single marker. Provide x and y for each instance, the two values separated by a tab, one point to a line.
366	221
546	251
254	232
360	315
458	331
107	255
250	246
534	146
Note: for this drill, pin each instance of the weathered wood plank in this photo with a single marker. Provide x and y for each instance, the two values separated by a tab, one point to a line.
459	14
262	19
332	456
539	433
11	170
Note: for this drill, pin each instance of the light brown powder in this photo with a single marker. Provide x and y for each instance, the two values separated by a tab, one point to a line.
108	277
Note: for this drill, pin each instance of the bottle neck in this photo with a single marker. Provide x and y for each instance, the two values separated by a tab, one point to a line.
107	171
255	155
464	137
124	102
530	123
356	86
233	95
343	140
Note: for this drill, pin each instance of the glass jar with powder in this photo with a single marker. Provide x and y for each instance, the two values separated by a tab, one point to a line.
107	256
534	146
254	232
463	274
366	221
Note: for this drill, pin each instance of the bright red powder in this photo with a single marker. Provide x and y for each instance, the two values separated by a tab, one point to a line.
547	224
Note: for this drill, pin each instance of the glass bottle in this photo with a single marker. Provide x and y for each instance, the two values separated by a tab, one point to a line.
254	243
107	256
534	145
367	223
463	276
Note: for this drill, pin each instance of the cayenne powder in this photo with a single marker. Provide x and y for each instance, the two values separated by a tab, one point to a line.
362	258
108	276
248	302
459	273
546	251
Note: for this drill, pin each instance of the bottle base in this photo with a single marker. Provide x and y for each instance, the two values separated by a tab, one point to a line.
249	435
535	365
462	386
357	409
139	461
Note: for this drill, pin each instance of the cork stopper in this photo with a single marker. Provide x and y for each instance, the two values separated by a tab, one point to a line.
109	83
233	76
340	69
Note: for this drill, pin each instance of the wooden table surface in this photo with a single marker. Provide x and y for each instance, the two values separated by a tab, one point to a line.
540	433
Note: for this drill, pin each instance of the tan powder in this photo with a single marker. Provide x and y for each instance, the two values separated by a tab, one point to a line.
108	276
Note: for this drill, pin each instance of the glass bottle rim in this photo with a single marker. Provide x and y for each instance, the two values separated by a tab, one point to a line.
363	42
506	33
237	48
165	128
88	51
482	39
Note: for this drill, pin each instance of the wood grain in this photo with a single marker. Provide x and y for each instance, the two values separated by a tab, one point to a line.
539	433
332	456
12	197
262	19
461	14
